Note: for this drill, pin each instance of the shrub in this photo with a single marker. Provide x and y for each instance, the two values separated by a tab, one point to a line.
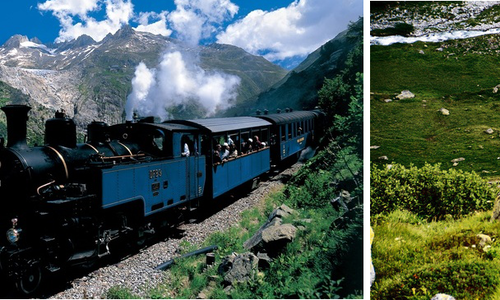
429	191
474	279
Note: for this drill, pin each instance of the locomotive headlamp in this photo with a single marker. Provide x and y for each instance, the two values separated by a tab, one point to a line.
12	235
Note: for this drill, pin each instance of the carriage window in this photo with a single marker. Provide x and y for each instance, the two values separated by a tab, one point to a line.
283	133
264	136
290	131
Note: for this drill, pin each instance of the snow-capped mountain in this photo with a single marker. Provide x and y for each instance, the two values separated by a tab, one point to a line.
91	80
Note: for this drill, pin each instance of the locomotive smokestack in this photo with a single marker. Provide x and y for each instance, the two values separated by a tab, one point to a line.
17	116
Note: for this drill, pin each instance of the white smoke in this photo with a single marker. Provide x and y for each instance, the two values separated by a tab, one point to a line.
177	81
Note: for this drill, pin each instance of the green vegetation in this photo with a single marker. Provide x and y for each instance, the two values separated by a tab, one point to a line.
416	259
430	202
457	75
427	224
429	192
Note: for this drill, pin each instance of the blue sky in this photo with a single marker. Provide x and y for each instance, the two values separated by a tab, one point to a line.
283	31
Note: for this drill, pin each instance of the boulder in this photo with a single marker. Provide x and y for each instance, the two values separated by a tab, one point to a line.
489	131
282	212
256	240
238	268
284	233
483	240
444	111
406	94
264	260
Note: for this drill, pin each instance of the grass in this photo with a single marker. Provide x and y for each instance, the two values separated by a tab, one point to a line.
320	262
416	259
413	131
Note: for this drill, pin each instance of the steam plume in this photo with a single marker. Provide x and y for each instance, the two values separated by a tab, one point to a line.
176	82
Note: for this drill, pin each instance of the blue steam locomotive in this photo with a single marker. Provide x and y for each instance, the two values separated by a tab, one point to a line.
66	204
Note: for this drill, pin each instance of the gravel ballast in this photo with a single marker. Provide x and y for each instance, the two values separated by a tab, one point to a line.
137	273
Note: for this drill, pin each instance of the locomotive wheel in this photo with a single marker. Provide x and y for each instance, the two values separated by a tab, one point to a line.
30	277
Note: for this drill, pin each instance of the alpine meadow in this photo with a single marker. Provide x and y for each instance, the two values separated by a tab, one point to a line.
434	150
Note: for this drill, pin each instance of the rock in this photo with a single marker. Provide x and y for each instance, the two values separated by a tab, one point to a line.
280	234
256	240
283	211
489	131
240	268
264	260
456	160
484	240
442	297
495	89
387	100
226	263
374	147
406	94
496	210
346	196
444	111
421	52
383	157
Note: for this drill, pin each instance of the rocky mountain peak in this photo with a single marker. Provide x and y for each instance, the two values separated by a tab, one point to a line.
15	41
36	40
82	41
125	32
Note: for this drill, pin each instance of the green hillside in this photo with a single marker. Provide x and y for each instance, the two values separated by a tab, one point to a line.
299	88
459	76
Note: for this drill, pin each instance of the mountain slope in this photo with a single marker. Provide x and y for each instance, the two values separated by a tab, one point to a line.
91	80
299	89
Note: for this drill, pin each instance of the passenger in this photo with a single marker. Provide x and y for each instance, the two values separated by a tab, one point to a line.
225	152
216	156
257	144
233	153
247	148
230	141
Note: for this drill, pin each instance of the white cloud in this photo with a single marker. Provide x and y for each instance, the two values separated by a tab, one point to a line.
70	7
296	30
118	13
158	27
194	20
